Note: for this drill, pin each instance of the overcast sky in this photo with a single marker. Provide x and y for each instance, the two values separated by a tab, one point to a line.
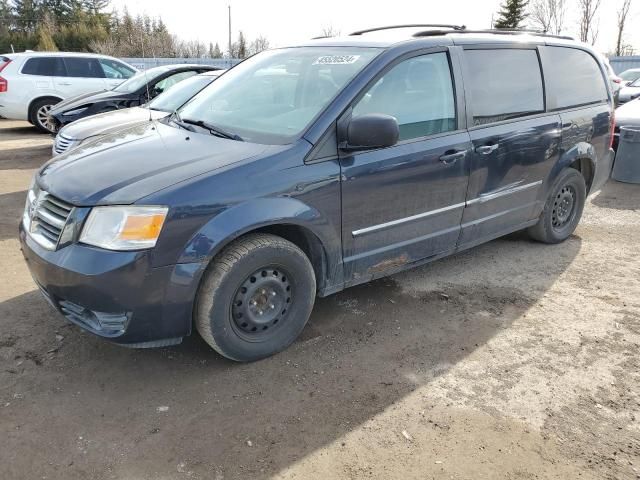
285	22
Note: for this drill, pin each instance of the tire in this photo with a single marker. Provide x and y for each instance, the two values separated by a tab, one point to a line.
257	273
563	208
37	114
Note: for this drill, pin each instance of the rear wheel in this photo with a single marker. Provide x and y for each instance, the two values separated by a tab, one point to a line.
255	297
563	208
39	114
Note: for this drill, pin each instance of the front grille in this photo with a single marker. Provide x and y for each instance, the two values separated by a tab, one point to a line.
45	218
62	144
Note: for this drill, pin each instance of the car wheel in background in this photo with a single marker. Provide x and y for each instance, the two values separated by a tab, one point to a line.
255	297
39	114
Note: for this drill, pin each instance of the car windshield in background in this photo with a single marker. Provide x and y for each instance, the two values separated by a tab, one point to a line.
630	75
139	80
178	95
273	96
635	83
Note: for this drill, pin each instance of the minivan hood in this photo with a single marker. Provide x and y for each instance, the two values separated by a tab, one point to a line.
107	122
135	162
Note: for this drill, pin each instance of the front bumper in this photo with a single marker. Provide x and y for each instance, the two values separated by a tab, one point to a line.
116	295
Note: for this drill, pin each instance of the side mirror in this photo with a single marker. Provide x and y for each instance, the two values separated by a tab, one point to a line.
372	130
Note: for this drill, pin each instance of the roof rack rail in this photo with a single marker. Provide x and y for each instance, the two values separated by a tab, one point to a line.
456	28
498	31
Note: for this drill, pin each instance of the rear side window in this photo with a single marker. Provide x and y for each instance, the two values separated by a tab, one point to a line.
83	67
505	83
418	92
573	78
117	70
44	66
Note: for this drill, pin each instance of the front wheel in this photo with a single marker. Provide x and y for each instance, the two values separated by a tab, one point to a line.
563	208
255	297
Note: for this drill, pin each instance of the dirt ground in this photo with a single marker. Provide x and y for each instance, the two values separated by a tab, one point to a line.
514	360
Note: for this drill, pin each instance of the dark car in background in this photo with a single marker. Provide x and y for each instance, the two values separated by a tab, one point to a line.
303	171
97	126
139	89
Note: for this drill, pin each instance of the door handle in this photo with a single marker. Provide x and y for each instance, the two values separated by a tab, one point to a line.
452	157
65	84
487	149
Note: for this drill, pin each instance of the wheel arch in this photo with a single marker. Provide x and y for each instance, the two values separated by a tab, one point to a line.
581	157
42	97
285	217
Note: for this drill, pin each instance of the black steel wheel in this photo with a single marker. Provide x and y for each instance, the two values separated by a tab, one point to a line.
255	298
563	209
261	304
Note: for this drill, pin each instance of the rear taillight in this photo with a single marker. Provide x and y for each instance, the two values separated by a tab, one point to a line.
4	84
613	128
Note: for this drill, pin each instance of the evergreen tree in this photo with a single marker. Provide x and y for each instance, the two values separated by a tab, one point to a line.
95	7
512	14
6	18
26	14
217	53
242	46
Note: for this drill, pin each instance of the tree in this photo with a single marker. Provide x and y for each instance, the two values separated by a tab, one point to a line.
7	18
330	31
548	15
242	46
512	14
26	14
258	45
588	24
622	20
216	52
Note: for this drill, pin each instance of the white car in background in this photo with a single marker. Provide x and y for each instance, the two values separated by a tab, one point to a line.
629	76
33	82
629	92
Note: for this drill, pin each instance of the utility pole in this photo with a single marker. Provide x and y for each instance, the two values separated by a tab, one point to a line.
229	30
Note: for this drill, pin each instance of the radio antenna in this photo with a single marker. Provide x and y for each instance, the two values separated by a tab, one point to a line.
146	79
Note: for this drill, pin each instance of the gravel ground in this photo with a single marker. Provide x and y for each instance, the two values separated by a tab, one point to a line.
514	360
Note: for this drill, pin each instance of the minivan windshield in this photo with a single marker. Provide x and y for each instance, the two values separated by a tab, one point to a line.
271	97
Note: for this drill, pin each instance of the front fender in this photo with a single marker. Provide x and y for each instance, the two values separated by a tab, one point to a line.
259	213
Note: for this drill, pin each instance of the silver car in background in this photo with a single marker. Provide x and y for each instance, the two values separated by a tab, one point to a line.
627	115
96	126
629	92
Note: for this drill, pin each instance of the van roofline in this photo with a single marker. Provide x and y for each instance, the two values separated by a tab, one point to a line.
436	38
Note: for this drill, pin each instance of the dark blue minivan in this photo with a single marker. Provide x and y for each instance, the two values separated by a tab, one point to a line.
306	170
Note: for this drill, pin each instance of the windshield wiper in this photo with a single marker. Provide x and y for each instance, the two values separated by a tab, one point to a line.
175	118
217	131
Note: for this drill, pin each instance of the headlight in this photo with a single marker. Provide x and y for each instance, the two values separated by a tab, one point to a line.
124	228
77	111
29	203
